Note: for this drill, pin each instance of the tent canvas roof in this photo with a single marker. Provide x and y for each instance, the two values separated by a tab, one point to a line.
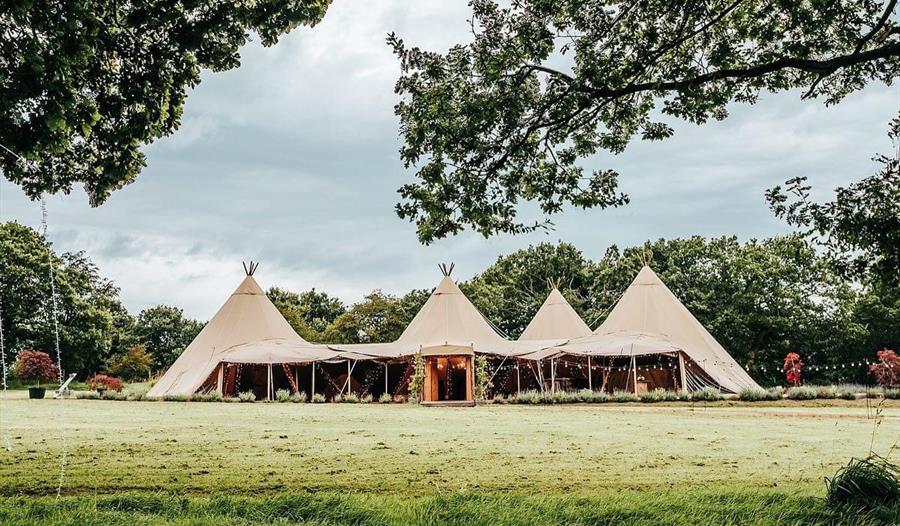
650	309
624	343
556	319
448	323
247	325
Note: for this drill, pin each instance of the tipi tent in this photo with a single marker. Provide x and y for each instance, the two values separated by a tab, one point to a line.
556	319
448	331
246	329
448	323
649	319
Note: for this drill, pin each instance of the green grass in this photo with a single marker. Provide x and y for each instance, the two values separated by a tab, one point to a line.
225	463
470	508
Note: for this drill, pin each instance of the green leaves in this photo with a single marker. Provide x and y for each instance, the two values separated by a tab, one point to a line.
165	332
92	322
86	84
509	116
309	313
859	228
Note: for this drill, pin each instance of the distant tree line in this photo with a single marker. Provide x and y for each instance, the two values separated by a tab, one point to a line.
761	299
96	332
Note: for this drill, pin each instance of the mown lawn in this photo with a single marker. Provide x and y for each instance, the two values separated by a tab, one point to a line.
220	463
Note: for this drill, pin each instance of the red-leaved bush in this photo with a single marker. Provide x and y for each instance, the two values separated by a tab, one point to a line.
887	370
36	366
792	367
101	381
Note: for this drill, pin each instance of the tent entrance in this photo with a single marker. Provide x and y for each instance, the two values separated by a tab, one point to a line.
448	379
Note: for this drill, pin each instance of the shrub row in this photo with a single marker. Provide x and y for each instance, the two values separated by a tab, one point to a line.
535	397
281	395
821	392
598	397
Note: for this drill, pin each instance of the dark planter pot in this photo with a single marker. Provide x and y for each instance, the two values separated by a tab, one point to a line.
36	393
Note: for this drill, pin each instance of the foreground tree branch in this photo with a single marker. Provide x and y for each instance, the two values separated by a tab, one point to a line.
508	117
85	84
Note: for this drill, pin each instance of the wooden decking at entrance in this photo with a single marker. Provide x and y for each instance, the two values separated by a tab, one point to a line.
449	403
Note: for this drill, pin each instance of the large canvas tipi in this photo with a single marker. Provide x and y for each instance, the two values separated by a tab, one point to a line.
649	310
556	319
447	323
246	317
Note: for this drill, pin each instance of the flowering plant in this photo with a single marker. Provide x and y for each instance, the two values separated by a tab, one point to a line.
106	383
887	370
36	366
792	367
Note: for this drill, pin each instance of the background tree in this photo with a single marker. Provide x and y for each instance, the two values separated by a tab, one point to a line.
309	312
877	308
542	85
511	291
134	365
378	318
86	83
858	229
165	332
92	322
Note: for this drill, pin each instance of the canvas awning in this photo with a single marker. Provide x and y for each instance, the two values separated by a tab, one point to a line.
276	351
624	343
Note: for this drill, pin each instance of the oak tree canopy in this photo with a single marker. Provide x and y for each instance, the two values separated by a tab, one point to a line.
85	84
543	84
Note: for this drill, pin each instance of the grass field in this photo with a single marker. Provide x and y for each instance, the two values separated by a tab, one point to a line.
219	463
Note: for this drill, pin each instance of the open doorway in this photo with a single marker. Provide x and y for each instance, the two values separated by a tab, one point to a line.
448	379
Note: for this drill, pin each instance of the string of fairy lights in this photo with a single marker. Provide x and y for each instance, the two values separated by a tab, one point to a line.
404	380
673	365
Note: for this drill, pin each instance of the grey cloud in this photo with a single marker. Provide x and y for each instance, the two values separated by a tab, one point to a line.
292	160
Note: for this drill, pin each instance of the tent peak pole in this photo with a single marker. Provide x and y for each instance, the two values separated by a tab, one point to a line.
590	380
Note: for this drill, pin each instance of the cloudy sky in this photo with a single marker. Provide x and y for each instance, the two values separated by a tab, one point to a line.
292	160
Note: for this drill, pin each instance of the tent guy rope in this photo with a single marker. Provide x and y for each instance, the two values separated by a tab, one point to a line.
64	453
6	442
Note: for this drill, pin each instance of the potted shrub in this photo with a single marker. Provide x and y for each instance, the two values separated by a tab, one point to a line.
102	383
35	367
